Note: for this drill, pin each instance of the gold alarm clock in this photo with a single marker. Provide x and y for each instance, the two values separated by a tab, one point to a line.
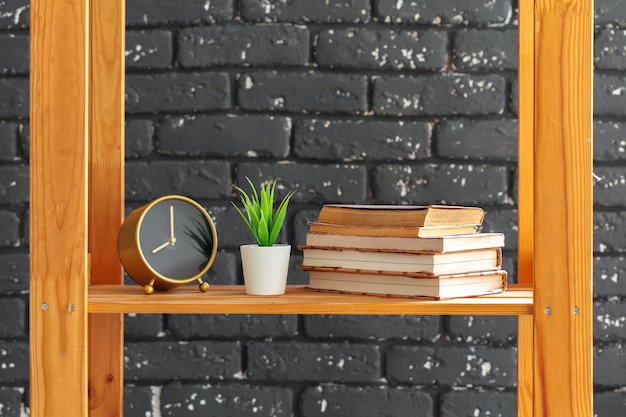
168	242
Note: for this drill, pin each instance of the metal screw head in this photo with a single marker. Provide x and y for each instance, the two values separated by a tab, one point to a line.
547	311
71	307
44	306
575	310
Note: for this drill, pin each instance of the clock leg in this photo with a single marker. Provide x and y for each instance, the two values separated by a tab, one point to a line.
149	287
204	286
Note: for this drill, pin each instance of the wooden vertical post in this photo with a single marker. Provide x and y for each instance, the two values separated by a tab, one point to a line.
58	207
106	199
526	123
563	208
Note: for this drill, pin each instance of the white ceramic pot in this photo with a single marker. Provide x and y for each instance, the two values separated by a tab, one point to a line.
265	268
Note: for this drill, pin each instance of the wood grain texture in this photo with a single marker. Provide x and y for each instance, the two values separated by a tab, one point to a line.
526	127
297	300
58	207
106	199
106	138
525	365
563	208
526	131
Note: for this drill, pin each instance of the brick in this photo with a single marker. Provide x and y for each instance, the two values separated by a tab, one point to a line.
14	273
196	179
225	268
355	48
610	12
609	320
14	14
296	275
225	400
193	326
231	230
439	95
139	136
609	276
494	140
502	220
24	137
609	142
370	140
14	184
352	327
609	95
303	92
478	404
177	92
465	184
11	401
14	316
147	49
150	12
513	98
509	264
482	329
15	97
609	404
300	224
304	11
15	56
195	360
608	231
229	135
289	361
261	45
8	141
485	49
138	400
456	12
339	401
14	358
610	186
9	229
142	326
609	365
608	53
474	365
313	183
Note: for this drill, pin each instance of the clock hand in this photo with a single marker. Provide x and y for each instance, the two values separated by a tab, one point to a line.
172	238
158	248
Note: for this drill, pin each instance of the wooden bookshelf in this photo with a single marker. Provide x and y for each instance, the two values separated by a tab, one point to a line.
517	300
77	299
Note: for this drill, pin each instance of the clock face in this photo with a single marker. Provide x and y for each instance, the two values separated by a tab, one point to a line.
175	239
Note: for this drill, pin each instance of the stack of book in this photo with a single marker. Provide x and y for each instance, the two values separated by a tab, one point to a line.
416	251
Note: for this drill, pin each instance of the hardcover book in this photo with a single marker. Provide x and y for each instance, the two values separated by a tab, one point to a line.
393	261
407	285
396	215
399	231
411	244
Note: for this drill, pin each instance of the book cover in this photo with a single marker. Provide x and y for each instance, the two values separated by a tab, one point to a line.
414	244
393	261
406	285
399	231
396	215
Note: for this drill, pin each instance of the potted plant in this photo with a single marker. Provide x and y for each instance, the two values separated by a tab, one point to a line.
265	264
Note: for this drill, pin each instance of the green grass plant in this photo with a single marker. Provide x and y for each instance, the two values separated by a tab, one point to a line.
258	212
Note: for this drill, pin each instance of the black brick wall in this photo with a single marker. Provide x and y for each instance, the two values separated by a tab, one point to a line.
345	101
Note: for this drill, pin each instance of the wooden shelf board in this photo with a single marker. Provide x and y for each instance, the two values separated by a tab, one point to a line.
517	300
